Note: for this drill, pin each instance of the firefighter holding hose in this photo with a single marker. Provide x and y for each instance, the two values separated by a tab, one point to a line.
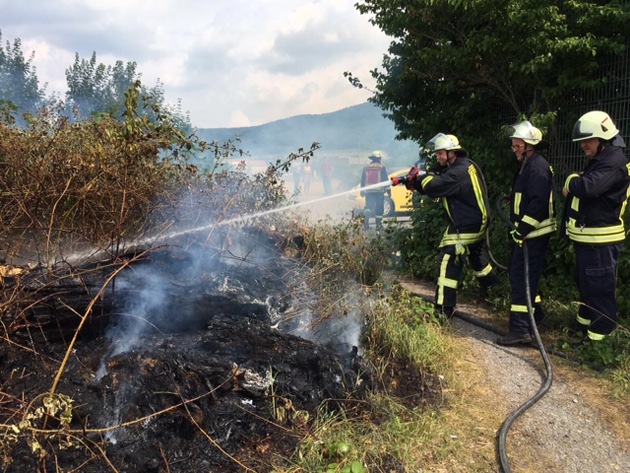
532	217
593	221
458	182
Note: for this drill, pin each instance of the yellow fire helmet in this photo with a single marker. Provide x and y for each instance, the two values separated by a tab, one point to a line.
443	142
594	124
527	132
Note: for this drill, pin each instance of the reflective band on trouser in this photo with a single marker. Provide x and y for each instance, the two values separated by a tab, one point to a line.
446	282
582	321
595	235
484	272
522	309
595	336
439	299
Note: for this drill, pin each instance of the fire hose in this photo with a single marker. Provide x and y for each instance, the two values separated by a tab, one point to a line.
546	385
507	423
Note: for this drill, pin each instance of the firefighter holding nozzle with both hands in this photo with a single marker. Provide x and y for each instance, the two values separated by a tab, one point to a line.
459	184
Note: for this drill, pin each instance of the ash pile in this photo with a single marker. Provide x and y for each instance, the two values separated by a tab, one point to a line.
188	360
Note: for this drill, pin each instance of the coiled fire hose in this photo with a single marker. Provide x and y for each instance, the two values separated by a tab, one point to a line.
507	423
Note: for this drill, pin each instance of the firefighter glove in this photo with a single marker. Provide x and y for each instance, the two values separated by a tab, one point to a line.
517	237
399	180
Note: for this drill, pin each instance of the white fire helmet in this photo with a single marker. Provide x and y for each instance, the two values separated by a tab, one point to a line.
594	124
527	132
376	155
443	142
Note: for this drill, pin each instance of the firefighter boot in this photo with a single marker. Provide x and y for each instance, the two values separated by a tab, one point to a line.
515	338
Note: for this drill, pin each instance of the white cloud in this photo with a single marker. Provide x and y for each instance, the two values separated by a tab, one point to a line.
231	62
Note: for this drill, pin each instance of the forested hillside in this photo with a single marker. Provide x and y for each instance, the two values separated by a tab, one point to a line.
359	128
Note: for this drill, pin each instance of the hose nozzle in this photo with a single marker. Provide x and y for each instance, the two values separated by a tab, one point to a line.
399	180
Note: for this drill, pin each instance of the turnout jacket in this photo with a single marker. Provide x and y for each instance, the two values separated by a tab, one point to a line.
463	193
532	199
374	173
597	199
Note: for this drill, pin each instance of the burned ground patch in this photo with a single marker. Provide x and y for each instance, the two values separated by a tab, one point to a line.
182	364
187	361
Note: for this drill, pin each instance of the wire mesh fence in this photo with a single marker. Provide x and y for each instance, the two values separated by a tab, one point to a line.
613	98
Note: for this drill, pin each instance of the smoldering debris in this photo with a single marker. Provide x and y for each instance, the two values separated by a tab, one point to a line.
180	366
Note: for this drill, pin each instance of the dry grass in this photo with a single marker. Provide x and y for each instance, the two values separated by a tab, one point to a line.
471	419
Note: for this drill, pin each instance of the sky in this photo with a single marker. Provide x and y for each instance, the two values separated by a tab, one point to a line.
230	63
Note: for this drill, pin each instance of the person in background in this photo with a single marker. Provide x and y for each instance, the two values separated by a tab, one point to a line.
593	221
327	174
532	214
458	182
308	174
374	173
297	177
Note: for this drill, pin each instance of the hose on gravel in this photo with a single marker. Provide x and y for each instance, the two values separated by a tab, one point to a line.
546	385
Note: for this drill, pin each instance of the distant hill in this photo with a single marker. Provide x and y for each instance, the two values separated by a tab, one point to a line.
351	133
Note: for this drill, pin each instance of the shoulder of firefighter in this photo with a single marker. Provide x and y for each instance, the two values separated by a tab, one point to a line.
597	198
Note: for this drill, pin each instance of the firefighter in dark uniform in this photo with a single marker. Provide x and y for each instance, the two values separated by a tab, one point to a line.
458	182
593	221
374	173
532	214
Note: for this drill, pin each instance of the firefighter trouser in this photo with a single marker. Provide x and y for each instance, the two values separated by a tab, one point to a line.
374	207
519	314
450	272
596	275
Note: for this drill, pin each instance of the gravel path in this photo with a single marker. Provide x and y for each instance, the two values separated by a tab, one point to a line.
562	431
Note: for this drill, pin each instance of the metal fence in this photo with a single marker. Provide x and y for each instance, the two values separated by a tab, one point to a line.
614	99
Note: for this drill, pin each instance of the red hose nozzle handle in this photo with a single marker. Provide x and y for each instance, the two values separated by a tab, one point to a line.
410	177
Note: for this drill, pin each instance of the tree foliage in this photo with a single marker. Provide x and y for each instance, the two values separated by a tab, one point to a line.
96	88
19	86
68	185
470	67
452	64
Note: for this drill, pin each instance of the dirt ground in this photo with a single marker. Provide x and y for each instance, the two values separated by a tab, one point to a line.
577	427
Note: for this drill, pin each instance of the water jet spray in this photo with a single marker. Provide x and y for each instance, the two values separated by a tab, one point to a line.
151	240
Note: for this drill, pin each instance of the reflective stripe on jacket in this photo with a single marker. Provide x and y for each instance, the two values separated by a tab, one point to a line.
462	190
532	200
